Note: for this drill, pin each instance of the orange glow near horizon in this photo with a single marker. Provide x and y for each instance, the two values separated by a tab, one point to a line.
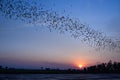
80	65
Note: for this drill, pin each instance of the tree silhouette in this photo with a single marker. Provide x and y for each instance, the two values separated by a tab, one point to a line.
0	67
105	68
29	12
110	67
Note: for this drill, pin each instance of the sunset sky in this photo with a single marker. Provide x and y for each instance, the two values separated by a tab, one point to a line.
24	45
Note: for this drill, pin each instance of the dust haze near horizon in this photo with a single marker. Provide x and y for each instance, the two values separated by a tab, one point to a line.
33	45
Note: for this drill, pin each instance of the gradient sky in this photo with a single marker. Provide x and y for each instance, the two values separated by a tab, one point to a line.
24	45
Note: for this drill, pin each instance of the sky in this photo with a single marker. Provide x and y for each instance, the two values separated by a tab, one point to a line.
24	45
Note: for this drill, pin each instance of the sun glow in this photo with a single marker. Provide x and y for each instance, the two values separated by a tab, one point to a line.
80	65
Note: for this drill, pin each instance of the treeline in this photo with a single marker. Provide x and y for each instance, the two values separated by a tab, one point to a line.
7	70
110	67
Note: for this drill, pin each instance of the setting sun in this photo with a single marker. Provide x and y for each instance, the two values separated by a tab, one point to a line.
80	65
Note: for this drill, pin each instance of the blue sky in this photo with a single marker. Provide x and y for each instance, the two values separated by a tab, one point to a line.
25	45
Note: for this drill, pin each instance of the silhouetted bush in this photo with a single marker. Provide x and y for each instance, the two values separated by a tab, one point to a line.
110	67
104	68
0	67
